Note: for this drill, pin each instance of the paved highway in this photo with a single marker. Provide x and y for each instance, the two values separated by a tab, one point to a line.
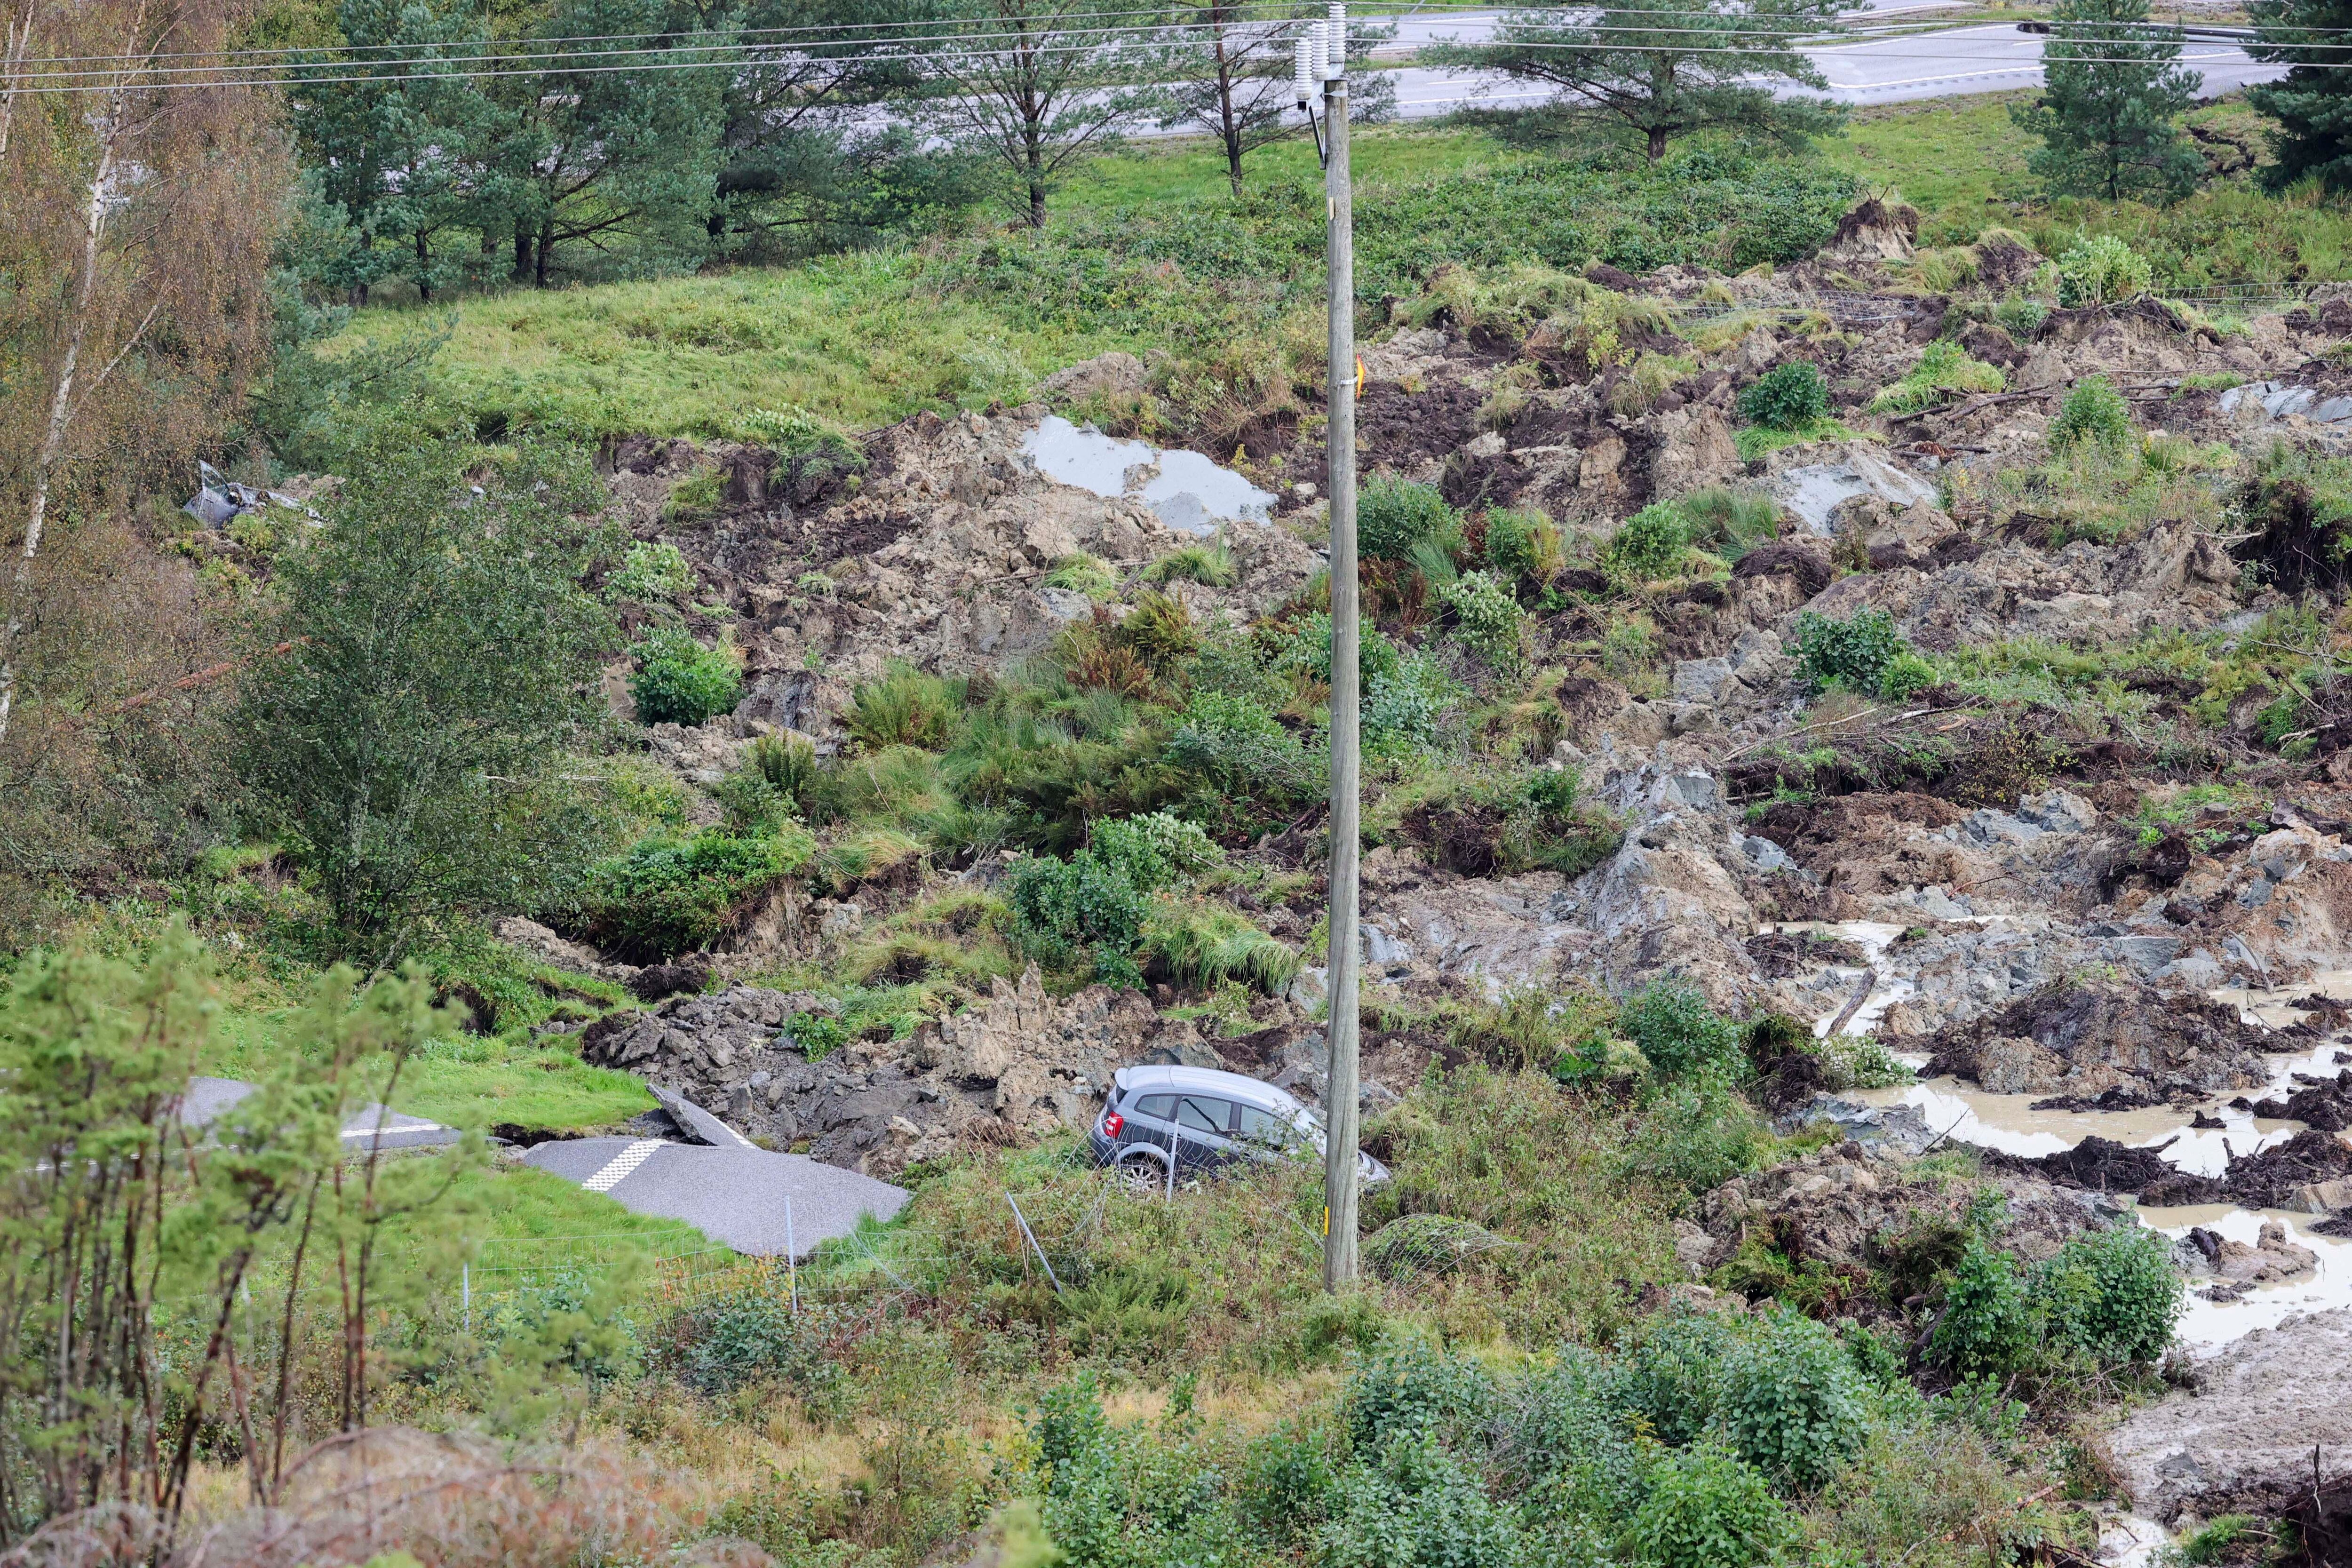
1988	57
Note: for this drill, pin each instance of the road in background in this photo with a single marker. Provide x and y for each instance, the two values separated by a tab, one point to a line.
1989	58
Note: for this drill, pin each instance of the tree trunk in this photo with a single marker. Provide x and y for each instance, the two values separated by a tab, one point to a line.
546	249
1226	125
1034	135
523	254
423	268
1657	143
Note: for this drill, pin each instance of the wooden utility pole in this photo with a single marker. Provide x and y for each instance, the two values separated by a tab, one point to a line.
1340	1181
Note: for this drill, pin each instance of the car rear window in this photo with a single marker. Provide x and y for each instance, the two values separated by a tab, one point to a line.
1266	1126
1162	1106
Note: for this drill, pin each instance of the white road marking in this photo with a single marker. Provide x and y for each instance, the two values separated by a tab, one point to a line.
621	1165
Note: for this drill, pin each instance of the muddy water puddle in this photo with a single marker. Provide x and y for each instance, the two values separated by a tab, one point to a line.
1963	1113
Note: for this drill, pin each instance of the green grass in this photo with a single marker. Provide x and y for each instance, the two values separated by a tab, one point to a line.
1192	170
1951	158
468	1081
524	1204
860	340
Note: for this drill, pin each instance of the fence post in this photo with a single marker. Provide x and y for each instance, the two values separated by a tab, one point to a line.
791	1259
1023	1221
465	1290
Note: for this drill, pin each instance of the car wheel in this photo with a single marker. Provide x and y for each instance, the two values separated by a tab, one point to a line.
1143	1174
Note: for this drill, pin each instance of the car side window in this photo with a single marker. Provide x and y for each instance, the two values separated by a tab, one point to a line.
1162	1107
1265	1127
1198	1115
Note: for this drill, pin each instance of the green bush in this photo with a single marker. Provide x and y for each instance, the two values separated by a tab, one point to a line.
679	682
1853	653
1523	546
1786	397
1154	850
1988	1324
1487	620
2096	413
2101	270
1405	708
1212	565
1708	1509
1905	673
1674	1376
753	1334
1648	544
1206	942
1791	1403
650	573
669	895
1233	743
1413	1504
1060	907
1395	517
1414	1391
2112	1293
787	763
1679	1033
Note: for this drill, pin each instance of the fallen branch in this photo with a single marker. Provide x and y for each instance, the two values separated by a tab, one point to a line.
1825	724
188	682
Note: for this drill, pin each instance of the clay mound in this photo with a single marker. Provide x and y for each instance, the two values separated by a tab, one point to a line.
1809	567
2286	1175
2077	1038
2327	1107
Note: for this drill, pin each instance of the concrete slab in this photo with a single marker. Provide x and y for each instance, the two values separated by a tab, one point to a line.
700	1124
735	1196
377	1126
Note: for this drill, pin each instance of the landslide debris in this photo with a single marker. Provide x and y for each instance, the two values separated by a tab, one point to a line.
2083	1039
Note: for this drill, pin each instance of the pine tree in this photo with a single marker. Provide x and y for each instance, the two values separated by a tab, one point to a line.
2313	105
1664	74
2113	87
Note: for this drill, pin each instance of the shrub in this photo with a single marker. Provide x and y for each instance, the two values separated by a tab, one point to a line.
1414	1391
2093	412
2020	315
1415	1505
679	682
1905	673
2112	1293
1650	543
651	573
1404	707
1487	620
1708	1509
1674	1375
753	1333
1393	516
1060	907
1289	1483
1786	397
787	763
671	895
1987	1324
2101	269
905	708
1154	850
1696	1136
1234	742
1523	546
1853	653
1161	628
1791	1403
1679	1033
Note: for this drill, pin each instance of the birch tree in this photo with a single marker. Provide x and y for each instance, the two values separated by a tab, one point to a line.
141	210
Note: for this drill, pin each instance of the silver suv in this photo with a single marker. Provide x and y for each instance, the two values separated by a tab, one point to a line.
1159	1120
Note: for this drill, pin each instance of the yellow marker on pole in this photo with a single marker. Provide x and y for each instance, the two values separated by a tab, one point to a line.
1360	375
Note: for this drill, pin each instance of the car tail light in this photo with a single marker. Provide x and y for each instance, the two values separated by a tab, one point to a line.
1112	1121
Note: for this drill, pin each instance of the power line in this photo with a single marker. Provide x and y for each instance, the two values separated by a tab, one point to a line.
882	34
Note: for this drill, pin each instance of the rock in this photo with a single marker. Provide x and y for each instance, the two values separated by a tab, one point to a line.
2247	1431
543	944
2082	1038
1703	681
1115	375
